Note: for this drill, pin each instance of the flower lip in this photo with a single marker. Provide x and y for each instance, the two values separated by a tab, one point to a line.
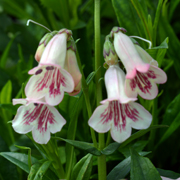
38	117
50	83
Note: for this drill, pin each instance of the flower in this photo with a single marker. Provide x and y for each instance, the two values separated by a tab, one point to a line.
128	54
42	44
50	80
71	66
118	113
109	52
144	84
142	71
38	117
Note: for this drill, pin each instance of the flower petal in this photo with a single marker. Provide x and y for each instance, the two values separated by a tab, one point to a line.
19	101
144	84
60	121
119	133
20	123
100	121
138	116
49	82
145	56
41	136
68	85
161	76
40	118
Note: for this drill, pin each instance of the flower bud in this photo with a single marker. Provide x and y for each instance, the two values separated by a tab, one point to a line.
71	66
42	44
109	53
116	30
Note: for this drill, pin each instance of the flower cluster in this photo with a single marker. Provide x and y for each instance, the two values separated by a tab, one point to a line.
56	73
119	113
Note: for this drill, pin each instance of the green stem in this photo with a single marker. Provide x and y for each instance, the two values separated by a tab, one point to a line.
86	97
108	139
52	154
154	122
102	158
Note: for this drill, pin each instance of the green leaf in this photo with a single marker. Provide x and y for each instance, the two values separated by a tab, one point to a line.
42	170
111	148
5	54
172	112
123	168
60	8
82	170
165	30
6	93
141	10
138	146
142	168
139	134
82	145
9	107
29	154
19	159
5	128
168	174
33	170
158	52
8	170
156	20
126	16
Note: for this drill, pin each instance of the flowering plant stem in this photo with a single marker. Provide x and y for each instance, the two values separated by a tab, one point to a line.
102	158
52	153
86	97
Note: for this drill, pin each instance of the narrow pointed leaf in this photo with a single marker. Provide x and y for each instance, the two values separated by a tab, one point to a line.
19	159
168	173
29	154
82	145
42	170
140	133
5	54
172	112
142	168
122	169
82	170
111	148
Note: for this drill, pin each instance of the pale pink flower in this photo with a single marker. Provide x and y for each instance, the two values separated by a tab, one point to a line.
118	113
38	117
144	84
129	56
72	67
50	80
142	71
